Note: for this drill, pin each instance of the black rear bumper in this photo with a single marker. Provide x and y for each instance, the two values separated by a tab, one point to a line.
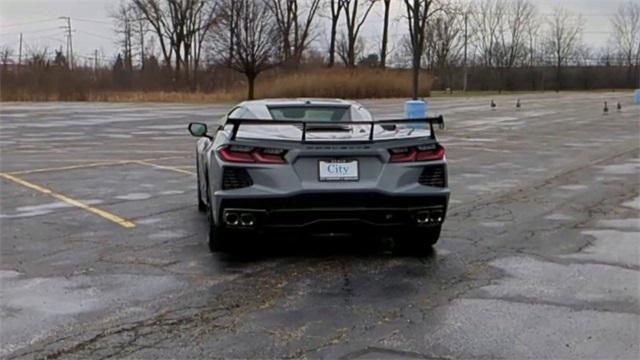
339	210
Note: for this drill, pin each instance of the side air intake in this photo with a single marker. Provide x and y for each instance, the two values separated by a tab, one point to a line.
235	178
433	176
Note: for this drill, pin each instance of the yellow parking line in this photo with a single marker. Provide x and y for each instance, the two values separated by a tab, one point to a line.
89	165
70	167
164	167
105	214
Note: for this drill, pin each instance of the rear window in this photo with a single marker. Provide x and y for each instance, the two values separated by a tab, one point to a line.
319	113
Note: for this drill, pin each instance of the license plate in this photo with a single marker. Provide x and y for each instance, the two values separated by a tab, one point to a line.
338	170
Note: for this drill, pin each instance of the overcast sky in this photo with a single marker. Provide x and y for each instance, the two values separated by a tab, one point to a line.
39	23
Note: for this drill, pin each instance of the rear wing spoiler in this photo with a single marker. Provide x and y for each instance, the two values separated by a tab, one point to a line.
304	124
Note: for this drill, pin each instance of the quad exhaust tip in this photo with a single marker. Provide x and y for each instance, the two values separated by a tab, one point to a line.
429	217
239	219
247	219
231	219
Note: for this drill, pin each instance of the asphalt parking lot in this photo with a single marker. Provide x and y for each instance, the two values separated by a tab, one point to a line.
104	254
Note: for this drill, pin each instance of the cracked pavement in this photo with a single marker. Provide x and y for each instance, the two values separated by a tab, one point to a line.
539	256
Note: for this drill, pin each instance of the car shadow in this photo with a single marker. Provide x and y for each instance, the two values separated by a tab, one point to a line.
283	246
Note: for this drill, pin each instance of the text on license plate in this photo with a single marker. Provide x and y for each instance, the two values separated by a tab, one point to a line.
338	170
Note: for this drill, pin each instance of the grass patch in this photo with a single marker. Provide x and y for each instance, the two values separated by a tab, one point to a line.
165	96
363	83
357	83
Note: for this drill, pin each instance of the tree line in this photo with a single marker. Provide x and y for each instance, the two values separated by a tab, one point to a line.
450	38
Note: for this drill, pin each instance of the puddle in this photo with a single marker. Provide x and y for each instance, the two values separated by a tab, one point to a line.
38	210
50	303
148	221
558	216
634	204
563	283
166	235
621	169
491	186
612	246
134	196
172	192
573	187
493	224
621	224
474	175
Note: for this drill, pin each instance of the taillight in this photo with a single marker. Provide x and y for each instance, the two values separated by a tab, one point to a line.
247	154
417	153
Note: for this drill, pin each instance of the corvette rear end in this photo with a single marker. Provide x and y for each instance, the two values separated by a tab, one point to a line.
316	172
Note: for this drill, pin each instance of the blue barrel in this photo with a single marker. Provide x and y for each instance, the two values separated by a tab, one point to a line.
638	96
415	109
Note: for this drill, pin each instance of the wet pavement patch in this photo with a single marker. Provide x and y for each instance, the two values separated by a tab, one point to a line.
538	258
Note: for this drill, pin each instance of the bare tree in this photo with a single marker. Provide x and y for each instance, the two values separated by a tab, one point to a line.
626	32
140	29
336	9
445	41
124	19
354	19
563	37
418	12
38	57
445	38
513	36
228	21
180	27
487	21
200	19
294	24
6	53
532	31
343	48
158	17
254	40
385	34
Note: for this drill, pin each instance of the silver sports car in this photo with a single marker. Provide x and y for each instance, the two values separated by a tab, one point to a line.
321	166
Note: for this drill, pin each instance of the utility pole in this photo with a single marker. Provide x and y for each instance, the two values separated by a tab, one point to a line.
466	40
417	49
20	54
67	28
95	61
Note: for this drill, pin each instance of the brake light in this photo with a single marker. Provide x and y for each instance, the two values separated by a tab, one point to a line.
417	153
247	154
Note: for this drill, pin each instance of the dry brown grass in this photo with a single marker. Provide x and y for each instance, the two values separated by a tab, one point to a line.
337	82
165	96
362	83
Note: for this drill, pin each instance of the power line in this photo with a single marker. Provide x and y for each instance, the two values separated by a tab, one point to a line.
93	21
28	23
96	35
48	38
30	31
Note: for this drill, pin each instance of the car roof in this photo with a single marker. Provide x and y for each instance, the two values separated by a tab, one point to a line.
298	101
260	108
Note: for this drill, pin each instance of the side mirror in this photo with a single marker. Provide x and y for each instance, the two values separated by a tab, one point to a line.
198	129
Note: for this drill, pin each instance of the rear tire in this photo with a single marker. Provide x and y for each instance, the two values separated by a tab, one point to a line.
218	240
418	241
202	206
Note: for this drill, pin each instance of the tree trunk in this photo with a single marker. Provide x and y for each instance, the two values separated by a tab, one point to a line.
558	76
417	48
385	34
251	82
351	53
332	43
